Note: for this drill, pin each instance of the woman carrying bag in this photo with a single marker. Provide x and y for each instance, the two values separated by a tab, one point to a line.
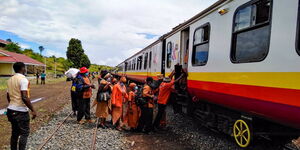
103	101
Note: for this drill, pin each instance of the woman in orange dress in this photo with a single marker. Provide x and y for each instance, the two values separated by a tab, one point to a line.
133	112
102	102
119	95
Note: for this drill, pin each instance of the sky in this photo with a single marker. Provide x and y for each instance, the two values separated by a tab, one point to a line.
110	30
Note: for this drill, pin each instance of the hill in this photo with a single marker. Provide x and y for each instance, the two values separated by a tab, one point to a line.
62	64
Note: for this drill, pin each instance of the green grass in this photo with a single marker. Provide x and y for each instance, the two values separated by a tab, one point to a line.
3	81
55	80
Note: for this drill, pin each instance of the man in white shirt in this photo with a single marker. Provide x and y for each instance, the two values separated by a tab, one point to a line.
17	110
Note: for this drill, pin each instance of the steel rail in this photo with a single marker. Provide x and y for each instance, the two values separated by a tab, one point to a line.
51	135
94	136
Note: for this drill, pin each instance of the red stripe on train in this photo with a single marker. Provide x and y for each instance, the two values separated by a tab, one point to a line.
262	101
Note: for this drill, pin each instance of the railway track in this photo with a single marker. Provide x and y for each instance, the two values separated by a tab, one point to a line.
93	143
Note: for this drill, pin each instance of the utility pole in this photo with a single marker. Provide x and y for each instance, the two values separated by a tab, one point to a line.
54	67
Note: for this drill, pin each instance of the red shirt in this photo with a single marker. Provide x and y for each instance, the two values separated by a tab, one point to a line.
164	92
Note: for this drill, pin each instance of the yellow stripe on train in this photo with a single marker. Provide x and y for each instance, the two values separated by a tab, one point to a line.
290	80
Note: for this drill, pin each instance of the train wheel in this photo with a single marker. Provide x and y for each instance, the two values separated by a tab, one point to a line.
241	133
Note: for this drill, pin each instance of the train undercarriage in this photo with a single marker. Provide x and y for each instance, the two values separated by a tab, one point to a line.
246	129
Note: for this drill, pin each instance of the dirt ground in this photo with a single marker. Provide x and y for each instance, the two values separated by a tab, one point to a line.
56	95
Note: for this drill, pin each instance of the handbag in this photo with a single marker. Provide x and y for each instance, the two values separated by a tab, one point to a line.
103	96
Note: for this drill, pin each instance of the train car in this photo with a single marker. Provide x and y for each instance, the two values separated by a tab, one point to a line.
242	59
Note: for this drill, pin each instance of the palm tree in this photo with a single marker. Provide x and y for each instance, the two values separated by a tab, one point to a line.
41	48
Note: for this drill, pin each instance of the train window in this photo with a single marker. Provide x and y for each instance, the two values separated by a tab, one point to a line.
145	61
201	45
150	59
139	63
129	65
251	32
169	54
134	63
126	65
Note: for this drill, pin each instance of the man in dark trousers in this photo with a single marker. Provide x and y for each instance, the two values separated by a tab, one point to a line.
84	93
165	90
74	96
145	122
17	110
37	77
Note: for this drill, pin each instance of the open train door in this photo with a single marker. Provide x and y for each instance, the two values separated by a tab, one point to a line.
184	49
182	97
163	58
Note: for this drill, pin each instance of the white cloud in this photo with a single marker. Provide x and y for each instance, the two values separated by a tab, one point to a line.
49	53
24	46
108	29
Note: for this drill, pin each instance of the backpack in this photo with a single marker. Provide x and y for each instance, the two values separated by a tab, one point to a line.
139	99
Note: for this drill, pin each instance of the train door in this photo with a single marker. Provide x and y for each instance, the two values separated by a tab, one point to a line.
163	59
184	50
182	97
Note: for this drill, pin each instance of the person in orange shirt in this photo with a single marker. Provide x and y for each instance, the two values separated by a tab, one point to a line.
84	88
133	111
119	95
165	90
145	122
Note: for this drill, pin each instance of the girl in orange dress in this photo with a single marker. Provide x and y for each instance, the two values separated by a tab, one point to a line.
119	95
133	112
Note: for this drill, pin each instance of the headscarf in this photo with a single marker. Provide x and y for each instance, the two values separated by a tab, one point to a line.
107	75
123	79
132	85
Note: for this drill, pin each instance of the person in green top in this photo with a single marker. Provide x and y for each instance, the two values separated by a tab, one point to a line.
43	78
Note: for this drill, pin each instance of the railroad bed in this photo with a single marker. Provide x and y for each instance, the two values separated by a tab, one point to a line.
71	135
183	133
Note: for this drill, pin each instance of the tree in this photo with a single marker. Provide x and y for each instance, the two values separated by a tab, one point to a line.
75	54
41	48
85	61
8	40
13	47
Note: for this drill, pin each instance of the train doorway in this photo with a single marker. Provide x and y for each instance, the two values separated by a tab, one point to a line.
163	57
184	49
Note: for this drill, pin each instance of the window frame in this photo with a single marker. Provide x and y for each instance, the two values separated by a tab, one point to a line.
194	46
167	60
254	27
297	44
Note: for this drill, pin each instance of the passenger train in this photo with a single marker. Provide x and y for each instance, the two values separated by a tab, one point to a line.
243	63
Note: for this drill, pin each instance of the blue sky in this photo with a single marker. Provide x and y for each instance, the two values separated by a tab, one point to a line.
110	31
22	42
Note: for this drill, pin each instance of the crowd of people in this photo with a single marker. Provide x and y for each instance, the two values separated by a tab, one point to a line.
129	106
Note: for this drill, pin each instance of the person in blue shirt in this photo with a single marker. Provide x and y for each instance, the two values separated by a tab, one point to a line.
43	78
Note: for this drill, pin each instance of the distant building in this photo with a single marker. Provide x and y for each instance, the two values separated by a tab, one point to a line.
3	43
7	59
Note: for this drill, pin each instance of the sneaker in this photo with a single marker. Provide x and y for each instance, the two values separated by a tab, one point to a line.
90	121
81	122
